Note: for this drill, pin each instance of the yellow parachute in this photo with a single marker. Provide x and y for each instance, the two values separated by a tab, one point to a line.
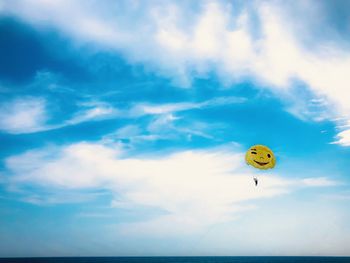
260	157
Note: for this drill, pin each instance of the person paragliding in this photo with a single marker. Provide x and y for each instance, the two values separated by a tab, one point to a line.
260	157
255	181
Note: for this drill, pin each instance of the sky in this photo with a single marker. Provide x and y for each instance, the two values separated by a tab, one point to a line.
124	125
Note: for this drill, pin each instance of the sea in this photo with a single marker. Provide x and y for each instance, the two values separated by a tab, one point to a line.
179	260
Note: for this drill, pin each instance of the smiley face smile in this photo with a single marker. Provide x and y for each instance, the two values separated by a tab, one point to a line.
260	163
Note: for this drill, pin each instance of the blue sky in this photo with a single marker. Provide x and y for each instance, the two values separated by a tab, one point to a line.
123	127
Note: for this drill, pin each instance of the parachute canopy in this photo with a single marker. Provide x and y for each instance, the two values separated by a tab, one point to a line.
260	157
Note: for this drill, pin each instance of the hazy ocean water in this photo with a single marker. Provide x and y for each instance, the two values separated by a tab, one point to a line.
181	260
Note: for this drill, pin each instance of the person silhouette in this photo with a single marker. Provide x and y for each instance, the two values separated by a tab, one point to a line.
256	181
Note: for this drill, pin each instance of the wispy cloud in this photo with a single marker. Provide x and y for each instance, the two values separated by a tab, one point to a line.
154	109
56	197
166	121
310	108
343	138
320	181
93	111
26	114
29	115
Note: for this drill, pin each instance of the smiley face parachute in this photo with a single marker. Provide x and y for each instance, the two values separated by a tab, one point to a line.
260	157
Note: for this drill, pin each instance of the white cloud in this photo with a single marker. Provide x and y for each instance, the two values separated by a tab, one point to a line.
343	138
29	115
166	108
62	197
183	42
310	109
320	181
93	111
23	115
128	131
194	188
164	124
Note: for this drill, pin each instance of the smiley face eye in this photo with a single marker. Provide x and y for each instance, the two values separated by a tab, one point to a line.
269	155
253	152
